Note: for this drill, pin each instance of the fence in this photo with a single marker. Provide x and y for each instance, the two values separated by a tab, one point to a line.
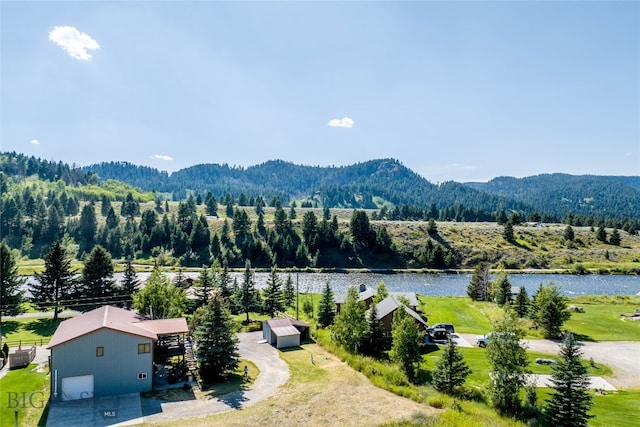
22	358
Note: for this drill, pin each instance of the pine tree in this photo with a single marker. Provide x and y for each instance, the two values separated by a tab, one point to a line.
288	292
216	344
247	291
478	289
549	310
129	282
451	369
203	288
570	401
10	283
602	233
508	233
502	290
97	285
569	235
326	307
375	334
522	303
615	237
273	302
406	343
56	283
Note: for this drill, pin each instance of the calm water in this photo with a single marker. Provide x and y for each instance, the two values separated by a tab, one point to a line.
450	284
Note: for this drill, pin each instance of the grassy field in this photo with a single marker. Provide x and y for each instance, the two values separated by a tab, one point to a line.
601	320
29	330
31	404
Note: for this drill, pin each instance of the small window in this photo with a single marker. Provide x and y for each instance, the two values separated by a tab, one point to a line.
99	351
142	376
144	348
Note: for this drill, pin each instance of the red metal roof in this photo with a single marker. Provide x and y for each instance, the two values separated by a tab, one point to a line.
117	319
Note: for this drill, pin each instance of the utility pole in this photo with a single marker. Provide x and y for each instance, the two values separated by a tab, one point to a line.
297	298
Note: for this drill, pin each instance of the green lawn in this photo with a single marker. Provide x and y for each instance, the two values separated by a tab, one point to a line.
477	361
602	322
28	390
29	330
467	316
621	408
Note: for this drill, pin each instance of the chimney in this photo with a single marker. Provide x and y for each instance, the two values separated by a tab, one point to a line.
363	287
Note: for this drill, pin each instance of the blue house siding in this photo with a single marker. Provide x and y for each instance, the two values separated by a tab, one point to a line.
116	372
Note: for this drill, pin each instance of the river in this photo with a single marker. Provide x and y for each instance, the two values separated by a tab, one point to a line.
448	284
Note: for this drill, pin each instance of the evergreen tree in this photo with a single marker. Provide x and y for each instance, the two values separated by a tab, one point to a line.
522	303
360	228
615	237
129	282
602	233
451	369
501	218
375	335
508	233
326	307
159	297
478	289
288	292
216	344
273	302
407	338
247	292
10	283
56	283
432	227
225	282
203	287
350	326
569	235
88	227
570	401
97	285
508	365
550	310
502	290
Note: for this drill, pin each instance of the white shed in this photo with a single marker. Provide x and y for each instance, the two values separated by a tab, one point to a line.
283	333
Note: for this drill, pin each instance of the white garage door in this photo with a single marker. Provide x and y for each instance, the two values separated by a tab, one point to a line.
74	388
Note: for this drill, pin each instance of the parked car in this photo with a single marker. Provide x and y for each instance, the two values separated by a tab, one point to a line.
436	334
483	340
448	326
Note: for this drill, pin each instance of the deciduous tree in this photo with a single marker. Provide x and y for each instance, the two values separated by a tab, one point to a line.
350	326
406	343
159	297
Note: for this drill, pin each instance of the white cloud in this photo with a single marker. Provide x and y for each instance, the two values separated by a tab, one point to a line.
162	157
74	42
35	142
345	122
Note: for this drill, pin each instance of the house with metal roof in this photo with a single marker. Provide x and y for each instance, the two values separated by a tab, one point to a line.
366	296
387	307
283	333
107	351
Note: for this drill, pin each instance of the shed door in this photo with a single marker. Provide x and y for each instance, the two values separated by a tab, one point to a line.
74	388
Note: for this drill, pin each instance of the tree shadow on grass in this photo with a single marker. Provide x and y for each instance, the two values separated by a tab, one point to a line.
9	327
43	327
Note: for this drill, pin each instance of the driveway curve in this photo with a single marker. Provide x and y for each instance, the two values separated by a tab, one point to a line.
274	372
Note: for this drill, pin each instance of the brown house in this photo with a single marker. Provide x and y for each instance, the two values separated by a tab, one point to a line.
388	306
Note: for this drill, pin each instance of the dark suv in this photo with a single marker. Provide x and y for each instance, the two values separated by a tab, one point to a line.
448	326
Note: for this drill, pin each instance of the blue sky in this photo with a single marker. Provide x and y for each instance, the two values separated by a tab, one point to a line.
454	90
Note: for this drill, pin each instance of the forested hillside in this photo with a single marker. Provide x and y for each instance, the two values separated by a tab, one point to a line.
560	194
363	185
